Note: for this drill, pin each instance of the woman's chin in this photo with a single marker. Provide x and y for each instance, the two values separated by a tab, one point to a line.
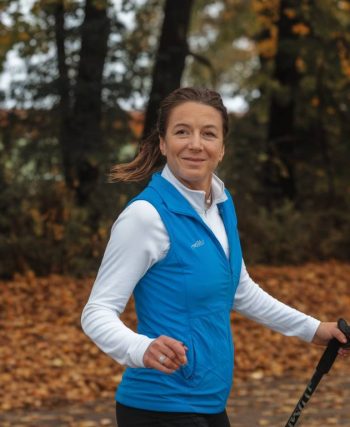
195	181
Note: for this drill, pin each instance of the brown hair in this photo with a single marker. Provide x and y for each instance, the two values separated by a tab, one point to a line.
149	158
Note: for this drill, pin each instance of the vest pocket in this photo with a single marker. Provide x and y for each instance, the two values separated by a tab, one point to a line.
213	348
187	370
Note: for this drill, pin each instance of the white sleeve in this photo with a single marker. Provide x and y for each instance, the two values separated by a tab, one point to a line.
256	304
138	240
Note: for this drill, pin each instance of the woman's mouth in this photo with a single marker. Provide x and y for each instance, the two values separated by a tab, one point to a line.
193	159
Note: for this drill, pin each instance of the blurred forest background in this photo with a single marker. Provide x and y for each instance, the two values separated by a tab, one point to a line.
80	84
95	71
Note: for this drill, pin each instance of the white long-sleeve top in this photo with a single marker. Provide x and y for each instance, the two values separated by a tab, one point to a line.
138	240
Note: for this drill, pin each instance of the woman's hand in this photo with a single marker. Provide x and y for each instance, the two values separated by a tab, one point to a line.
165	354
328	330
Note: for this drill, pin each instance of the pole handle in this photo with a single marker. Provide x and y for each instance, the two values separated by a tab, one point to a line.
345	328
331	352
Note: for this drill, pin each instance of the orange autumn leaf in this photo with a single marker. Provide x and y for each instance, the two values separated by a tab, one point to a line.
301	29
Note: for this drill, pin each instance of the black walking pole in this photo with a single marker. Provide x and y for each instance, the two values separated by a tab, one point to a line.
323	367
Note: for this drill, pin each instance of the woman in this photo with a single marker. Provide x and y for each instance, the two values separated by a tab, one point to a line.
176	248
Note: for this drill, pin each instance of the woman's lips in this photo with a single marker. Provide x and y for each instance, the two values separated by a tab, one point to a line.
192	159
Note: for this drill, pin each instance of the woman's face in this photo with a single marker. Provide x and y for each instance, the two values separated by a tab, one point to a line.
193	144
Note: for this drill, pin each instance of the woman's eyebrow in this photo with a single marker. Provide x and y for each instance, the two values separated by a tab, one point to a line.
210	127
188	125
181	124
213	127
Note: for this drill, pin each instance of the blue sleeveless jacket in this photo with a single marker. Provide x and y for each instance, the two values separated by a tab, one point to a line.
188	296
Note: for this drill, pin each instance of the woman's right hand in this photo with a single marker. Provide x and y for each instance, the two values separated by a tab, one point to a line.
165	354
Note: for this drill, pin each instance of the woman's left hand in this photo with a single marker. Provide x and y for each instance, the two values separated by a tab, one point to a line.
328	330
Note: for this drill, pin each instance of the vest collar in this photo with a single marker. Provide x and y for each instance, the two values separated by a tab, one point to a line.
174	200
196	198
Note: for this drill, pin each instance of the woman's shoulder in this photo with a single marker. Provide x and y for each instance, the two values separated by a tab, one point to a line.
141	221
140	212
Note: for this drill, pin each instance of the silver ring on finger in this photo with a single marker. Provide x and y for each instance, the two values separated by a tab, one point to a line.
162	358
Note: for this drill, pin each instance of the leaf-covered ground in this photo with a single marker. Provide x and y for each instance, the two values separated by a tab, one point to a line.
47	361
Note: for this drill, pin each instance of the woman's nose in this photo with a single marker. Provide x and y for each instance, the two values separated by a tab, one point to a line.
196	142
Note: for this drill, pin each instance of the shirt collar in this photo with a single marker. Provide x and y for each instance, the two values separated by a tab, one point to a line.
196	198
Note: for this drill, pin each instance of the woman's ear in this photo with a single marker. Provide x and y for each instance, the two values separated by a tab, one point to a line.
222	153
162	146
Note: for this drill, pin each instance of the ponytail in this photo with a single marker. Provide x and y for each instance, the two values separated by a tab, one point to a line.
148	160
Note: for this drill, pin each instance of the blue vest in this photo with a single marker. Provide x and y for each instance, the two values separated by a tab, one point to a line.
188	296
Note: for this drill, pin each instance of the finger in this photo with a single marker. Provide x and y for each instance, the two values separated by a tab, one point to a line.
338	334
154	363
344	352
151	360
162	367
178	348
167	361
167	351
172	352
170	342
173	361
159	360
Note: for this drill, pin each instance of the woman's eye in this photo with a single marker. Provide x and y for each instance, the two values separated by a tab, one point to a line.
210	134
181	132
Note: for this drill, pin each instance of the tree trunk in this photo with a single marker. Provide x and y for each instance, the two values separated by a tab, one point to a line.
63	90
279	171
321	133
81	107
170	59
86	121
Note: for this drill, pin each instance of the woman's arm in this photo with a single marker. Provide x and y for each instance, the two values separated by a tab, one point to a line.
256	304
138	240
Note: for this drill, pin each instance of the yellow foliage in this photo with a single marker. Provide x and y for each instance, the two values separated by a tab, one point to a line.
344	59
37	219
5	39
346	69
100	4
300	64
23	36
58	231
290	13
301	29
344	5
136	122
266	11
336	34
118	124
102	232
228	14
267	48
264	21
315	101
261	6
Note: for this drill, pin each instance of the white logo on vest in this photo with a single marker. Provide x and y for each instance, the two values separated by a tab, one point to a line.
197	244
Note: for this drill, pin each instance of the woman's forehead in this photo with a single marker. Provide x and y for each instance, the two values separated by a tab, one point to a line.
195	113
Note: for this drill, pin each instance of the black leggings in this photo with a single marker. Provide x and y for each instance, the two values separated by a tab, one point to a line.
133	417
